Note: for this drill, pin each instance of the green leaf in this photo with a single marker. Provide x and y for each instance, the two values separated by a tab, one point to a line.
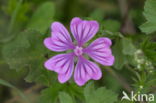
148	27
149	48
111	25
128	47
97	14
112	83
150	14
65	98
120	58
15	53
89	89
100	95
149	10
112	35
27	52
5	83
21	51
51	94
43	17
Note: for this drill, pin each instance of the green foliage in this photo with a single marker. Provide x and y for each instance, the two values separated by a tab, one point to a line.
12	6
43	17
25	40
100	95
22	50
119	56
111	25
12	51
20	53
149	48
111	83
8	34
60	91
128	47
123	51
16	6
27	51
150	14
49	95
65	98
97	15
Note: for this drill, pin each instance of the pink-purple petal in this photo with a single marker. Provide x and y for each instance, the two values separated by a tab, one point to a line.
63	64
55	45
86	70
100	51
66	76
60	39
58	27
83	30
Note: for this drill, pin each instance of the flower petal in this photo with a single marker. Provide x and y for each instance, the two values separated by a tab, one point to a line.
83	30
60	40
86	70
58	27
100	51
63	64
55	45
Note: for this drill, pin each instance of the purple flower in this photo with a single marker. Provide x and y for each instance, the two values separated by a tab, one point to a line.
60	40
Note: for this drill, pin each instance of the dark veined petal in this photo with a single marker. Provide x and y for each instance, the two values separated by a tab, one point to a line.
100	51
86	70
63	64
60	39
83	30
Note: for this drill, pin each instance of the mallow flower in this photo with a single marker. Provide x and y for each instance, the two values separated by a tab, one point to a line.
64	64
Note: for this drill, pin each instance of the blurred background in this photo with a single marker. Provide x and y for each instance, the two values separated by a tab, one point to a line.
25	23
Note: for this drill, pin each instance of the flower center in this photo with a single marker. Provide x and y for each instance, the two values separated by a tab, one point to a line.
78	51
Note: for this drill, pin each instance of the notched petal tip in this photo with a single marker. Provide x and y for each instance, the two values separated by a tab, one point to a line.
100	51
94	23
83	30
62	79
109	61
48	65
80	83
75	20
60	39
98	76
55	25
107	41
48	43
